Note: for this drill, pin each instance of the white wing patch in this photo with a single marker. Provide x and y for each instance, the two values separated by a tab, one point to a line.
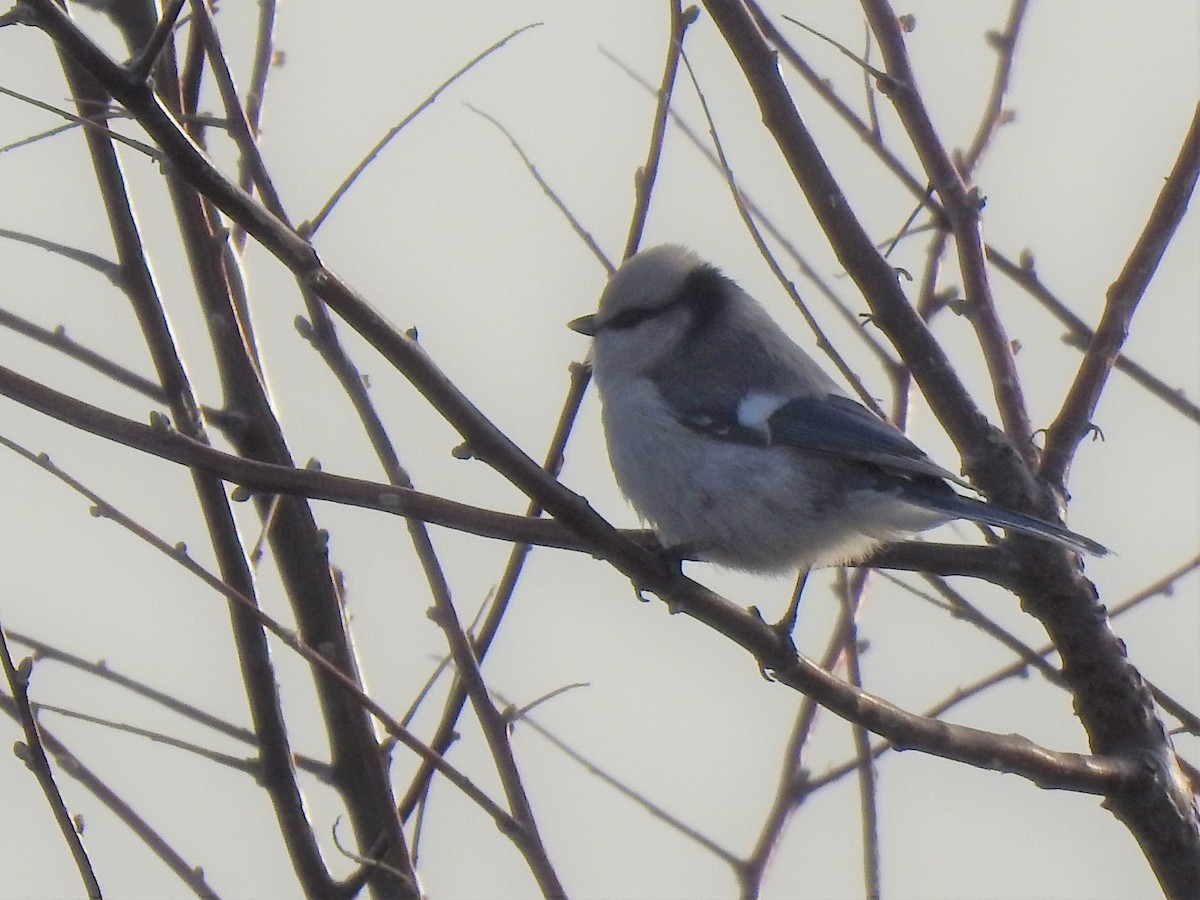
756	409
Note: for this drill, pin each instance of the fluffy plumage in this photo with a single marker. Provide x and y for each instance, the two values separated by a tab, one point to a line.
737	448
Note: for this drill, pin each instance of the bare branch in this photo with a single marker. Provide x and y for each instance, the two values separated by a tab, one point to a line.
1005	44
961	205
191	875
1124	295
311	227
104	509
578	227
33	754
1080	335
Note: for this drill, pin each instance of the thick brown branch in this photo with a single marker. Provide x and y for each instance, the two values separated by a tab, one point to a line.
1050	769
990	460
961	205
988	563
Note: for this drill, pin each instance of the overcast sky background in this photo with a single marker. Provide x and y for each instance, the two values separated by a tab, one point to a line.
448	233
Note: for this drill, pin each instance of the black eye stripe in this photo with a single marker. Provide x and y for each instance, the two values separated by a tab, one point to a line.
703	290
631	318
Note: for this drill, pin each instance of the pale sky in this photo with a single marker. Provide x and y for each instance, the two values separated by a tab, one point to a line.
447	232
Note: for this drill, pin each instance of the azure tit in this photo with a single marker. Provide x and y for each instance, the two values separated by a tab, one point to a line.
738	448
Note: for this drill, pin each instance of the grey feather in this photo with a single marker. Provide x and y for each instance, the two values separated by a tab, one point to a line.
734	444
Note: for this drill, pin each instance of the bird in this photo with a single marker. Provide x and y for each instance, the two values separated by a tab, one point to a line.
738	449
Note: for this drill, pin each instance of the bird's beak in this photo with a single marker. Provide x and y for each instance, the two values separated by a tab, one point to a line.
584	325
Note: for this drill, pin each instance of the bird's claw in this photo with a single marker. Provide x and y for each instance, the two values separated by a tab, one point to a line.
783	634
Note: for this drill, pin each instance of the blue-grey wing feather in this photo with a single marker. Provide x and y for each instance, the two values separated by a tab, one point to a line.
829	424
841	427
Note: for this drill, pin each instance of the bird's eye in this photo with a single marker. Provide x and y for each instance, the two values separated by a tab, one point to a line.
631	318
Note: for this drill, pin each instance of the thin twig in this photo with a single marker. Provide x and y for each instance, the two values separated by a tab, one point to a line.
33	754
1005	44
264	59
61	341
841	48
791	790
850	591
191	875
648	173
1080	335
40	136
743	210
620	787
962	207
1019	669
90	124
1074	418
103	671
245	765
103	509
578	227
884	357
141	66
313	224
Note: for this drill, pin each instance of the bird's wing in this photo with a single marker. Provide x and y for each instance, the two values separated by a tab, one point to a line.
829	424
838	426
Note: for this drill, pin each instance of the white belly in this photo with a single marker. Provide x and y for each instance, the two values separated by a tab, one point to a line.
742	505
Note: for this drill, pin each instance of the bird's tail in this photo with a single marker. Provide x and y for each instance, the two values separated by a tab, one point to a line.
969	508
